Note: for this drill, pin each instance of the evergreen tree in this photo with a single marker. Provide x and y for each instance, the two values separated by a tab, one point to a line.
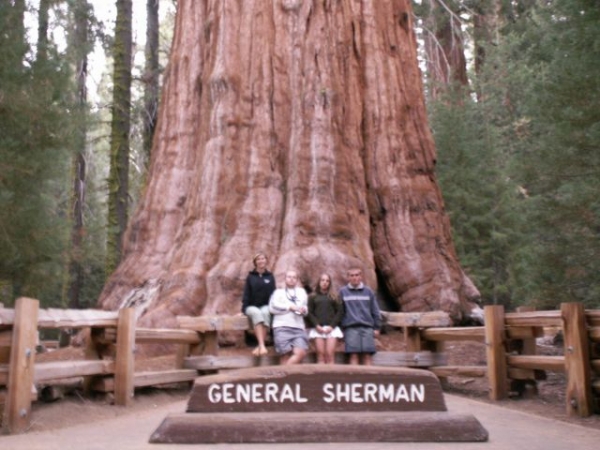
79	48
151	75
478	196
560	167
118	183
35	138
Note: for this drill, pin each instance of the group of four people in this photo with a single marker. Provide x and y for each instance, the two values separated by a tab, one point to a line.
352	314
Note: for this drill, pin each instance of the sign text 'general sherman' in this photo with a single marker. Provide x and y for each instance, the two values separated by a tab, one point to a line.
318	388
270	392
317	403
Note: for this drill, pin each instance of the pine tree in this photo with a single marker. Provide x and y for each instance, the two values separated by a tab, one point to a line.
151	75
561	167
35	138
118	183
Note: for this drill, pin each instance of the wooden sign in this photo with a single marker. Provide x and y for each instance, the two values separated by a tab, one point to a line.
317	388
318	403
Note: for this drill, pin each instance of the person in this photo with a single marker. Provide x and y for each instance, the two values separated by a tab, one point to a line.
260	285
325	312
288	305
361	321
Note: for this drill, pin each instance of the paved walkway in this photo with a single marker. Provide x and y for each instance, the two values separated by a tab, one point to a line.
508	430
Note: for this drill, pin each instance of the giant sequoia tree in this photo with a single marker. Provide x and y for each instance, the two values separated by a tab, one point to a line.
299	128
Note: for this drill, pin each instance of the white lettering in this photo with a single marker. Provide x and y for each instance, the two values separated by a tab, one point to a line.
402	394
257	393
286	394
332	392
271	390
242	392
371	393
227	396
417	392
386	393
343	395
328	391
299	397
214	397
356	394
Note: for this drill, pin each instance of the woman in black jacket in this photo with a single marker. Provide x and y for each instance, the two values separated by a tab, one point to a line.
259	286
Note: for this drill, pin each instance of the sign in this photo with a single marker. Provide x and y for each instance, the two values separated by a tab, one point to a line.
318	388
318	403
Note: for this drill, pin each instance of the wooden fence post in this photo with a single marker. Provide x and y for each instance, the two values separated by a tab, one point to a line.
412	339
522	379
529	344
495	337
577	360
182	352
17	412
124	360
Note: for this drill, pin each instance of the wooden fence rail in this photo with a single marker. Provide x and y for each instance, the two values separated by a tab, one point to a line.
197	338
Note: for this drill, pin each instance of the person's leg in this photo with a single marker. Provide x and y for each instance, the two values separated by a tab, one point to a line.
367	359
256	320
260	331
283	359
296	356
262	335
353	360
330	344
321	352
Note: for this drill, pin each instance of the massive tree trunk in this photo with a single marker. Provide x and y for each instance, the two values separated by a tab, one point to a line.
298	128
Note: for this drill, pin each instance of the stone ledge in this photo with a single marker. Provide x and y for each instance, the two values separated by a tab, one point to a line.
201	428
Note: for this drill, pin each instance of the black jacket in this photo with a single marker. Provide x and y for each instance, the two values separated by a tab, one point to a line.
323	310
258	289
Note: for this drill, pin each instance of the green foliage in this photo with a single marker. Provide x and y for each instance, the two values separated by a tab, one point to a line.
34	156
478	196
519	167
561	168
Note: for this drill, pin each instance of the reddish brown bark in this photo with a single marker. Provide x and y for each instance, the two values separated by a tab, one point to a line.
299	128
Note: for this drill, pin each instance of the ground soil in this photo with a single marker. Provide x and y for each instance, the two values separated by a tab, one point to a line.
76	408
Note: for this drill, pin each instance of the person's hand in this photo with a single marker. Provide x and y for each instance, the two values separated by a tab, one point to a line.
376	333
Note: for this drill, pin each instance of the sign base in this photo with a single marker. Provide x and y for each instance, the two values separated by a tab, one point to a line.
318	403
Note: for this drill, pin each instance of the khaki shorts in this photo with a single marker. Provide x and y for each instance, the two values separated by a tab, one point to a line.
259	315
286	338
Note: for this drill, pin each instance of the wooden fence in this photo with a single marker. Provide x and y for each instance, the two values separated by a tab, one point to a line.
113	336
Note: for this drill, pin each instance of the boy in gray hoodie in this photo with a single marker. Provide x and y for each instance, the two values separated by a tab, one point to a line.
362	319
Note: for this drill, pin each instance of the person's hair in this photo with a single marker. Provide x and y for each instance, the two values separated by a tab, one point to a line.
352	268
256	255
330	292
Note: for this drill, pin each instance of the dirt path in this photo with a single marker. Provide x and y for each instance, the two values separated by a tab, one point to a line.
508	429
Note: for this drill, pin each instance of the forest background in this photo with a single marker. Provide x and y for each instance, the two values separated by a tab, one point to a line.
512	92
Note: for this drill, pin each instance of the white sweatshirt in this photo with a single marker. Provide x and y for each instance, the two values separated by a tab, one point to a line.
279	306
